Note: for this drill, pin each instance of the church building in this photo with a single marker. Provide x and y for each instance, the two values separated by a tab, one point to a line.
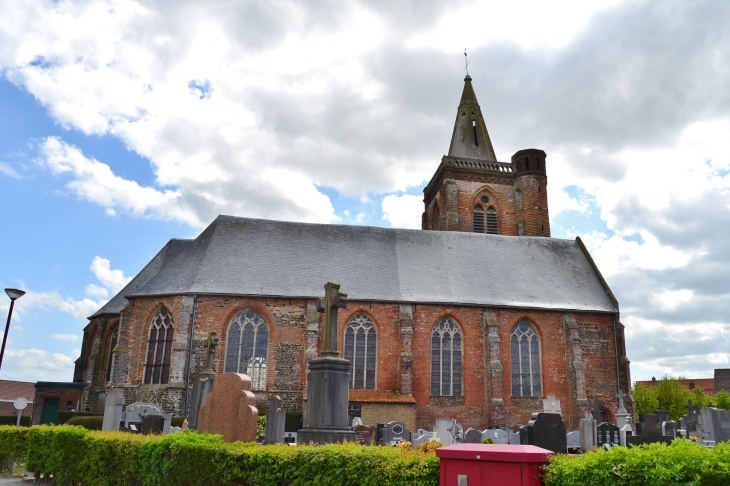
478	317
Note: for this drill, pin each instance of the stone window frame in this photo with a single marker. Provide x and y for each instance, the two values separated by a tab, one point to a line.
493	208
113	341
369	377
162	320
437	366
535	368
256	321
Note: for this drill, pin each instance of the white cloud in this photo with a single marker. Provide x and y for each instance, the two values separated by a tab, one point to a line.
53	300
114	280
8	170
66	337
93	290
403	211
37	365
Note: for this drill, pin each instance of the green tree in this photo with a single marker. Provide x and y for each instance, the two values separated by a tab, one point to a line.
721	399
699	397
645	399
674	396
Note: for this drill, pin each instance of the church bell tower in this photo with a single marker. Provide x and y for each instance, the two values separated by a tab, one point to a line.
471	191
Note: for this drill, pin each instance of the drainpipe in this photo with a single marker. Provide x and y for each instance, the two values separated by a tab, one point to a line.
190	355
615	352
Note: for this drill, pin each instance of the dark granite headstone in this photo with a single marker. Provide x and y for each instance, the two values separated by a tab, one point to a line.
153	424
548	432
607	433
275	420
649	425
395	432
366	435
715	424
473	436
692	419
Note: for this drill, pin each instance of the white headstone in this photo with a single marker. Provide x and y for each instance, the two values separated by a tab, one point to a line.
551	404
444	430
113	407
136	412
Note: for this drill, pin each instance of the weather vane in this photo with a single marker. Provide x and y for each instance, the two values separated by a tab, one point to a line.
467	63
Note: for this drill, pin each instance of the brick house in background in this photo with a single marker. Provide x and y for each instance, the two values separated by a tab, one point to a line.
10	390
721	381
477	317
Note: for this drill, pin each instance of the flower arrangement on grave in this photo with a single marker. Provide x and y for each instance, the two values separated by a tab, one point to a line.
405	445
430	446
488	440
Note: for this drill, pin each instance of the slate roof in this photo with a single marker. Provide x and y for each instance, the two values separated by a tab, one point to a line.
242	256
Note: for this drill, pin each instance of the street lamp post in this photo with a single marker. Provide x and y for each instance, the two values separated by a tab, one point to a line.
13	294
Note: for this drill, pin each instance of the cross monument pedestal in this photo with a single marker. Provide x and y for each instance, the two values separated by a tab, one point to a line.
326	419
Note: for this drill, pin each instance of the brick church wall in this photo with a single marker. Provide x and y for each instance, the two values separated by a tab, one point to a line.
403	353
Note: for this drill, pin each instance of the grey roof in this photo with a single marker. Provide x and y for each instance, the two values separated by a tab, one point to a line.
244	256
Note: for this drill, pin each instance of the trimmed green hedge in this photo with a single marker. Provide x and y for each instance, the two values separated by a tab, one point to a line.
76	455
681	463
89	423
64	416
13	419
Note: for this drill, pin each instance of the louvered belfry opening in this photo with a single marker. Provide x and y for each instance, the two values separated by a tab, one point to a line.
492	227
159	349
478	219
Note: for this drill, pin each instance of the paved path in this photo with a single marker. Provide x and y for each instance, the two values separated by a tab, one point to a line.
4	481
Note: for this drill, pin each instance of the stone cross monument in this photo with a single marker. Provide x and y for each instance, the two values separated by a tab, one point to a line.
203	385
326	418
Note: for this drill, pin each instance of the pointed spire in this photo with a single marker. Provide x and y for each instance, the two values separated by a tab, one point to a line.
471	138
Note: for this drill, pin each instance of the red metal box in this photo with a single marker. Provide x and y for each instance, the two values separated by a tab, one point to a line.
492	465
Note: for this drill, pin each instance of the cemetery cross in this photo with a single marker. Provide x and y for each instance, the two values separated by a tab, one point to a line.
332	301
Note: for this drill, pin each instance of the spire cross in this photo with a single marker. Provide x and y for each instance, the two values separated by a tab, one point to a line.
466	66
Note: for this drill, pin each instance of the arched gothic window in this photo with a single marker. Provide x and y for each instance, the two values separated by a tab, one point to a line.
112	345
247	347
485	221
159	349
526	369
360	349
446	359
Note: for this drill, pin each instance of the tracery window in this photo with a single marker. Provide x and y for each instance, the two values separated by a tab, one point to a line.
485	221
112	345
360	350
159	349
247	347
526	369
446	364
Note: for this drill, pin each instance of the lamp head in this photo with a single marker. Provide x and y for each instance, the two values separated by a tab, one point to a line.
14	293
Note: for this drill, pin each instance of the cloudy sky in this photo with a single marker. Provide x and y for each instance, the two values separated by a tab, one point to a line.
124	124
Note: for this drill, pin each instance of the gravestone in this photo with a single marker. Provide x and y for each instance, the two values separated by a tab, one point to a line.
514	438
153	424
499	436
395	432
290	437
203	385
366	435
587	432
692	419
526	431
548	432
669	429
649	425
661	414
572	438
420	436
608	434
136	413
356	421
230	409
624	432
275	421
326	420
113	407
472	436
445	430
551	404
622	416
714	424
